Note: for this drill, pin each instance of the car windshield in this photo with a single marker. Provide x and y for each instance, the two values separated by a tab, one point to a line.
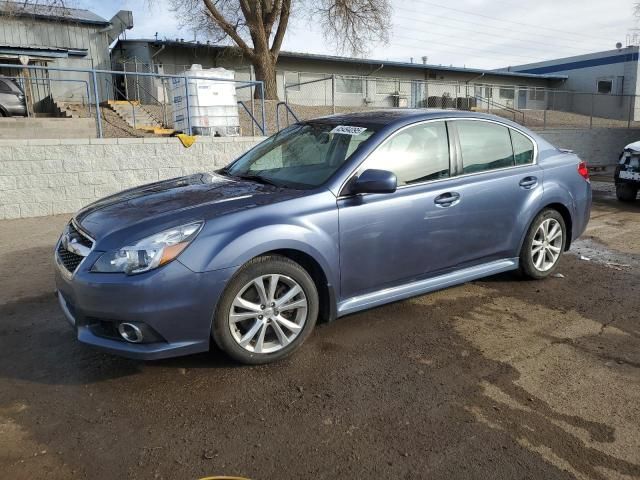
302	156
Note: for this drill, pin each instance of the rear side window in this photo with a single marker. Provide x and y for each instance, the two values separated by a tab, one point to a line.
522	148
484	146
416	154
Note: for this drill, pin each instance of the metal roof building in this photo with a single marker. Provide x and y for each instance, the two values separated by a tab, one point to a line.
57	37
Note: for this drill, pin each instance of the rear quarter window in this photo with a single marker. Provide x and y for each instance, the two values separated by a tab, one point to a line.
522	148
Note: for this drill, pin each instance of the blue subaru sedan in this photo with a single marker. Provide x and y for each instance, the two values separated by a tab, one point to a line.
325	218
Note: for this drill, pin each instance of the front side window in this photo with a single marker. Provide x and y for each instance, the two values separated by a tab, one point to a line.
415	154
484	146
303	156
522	148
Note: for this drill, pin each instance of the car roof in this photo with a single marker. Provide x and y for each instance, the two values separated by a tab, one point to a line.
402	116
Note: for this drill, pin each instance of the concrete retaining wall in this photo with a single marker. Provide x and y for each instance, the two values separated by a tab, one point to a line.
46	177
597	146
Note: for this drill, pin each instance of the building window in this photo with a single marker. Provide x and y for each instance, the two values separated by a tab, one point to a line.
349	85
605	86
387	87
507	93
485	91
293	79
536	94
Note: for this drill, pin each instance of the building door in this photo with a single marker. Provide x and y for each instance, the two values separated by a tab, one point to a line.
522	97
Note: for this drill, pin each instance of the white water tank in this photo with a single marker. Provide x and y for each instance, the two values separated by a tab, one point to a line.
213	105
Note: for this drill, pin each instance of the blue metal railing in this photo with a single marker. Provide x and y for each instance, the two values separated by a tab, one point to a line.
96	93
253	119
287	110
45	81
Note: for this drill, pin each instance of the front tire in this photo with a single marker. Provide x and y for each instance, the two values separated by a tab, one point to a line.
543	245
626	192
267	310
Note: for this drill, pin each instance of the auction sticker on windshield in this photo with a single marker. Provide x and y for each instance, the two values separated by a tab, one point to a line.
347	130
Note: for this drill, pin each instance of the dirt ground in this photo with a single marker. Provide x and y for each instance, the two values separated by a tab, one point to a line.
497	379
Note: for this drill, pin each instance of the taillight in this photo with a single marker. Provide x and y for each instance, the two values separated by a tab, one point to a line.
583	171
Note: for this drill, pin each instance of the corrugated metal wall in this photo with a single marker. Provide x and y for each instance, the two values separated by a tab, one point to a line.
39	33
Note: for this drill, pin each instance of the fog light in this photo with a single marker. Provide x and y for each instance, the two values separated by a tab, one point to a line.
130	332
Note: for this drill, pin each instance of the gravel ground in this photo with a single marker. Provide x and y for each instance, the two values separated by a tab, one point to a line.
501	378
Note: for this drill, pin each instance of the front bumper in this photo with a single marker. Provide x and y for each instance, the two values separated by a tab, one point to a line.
174	303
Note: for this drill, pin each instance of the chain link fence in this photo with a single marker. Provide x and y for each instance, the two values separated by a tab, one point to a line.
314	95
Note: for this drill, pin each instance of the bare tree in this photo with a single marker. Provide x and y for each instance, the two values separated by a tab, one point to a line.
258	27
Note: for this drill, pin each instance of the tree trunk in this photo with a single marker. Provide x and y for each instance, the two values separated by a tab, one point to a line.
265	68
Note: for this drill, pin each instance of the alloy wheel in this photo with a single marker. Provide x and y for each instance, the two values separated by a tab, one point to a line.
268	313
546	246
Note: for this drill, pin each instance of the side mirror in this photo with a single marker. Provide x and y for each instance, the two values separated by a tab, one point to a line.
374	181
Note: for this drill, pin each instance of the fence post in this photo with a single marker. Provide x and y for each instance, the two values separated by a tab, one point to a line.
97	99
88	97
264	117
631	102
137	81
252	91
333	94
544	119
186	98
591	117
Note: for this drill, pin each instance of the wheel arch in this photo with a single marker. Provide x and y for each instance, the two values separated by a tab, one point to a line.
568	220
566	216
326	292
312	249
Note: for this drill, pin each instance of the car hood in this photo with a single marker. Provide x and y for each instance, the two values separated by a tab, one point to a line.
200	196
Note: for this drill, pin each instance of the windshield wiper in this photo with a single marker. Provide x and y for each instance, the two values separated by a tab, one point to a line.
257	178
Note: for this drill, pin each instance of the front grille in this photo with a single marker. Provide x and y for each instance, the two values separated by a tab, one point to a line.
69	259
80	238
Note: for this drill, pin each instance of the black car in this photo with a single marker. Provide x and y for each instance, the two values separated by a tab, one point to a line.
627	176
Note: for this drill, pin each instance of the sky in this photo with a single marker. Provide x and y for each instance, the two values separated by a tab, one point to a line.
471	33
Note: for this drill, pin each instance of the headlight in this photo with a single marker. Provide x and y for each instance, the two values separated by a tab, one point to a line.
148	253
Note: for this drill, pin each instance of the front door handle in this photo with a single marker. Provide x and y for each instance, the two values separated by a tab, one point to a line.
528	182
447	199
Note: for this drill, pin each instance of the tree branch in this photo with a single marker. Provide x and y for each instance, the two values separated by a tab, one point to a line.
285	12
228	28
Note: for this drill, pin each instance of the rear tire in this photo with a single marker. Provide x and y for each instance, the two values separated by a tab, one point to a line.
267	310
543	246
626	192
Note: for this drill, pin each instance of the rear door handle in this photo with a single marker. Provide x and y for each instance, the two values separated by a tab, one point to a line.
447	199
528	182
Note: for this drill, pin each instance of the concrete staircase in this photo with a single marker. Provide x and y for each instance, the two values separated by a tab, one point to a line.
138	117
